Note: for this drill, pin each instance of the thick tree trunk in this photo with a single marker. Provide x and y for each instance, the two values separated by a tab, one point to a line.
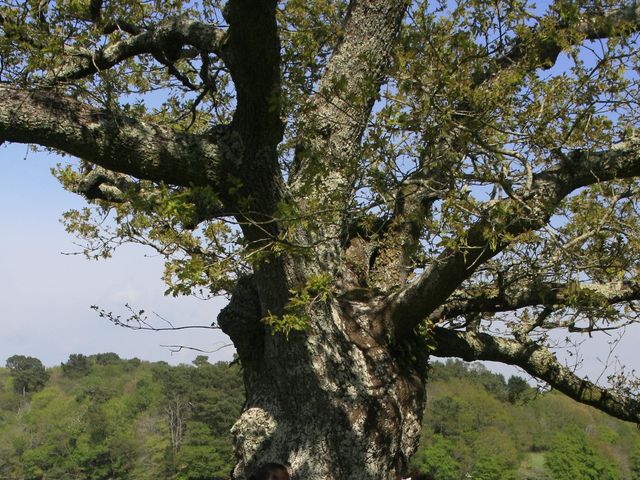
336	402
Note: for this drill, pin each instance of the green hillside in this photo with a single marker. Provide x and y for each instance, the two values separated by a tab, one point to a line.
102	417
479	426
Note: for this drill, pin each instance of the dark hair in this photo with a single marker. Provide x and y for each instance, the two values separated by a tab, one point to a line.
271	471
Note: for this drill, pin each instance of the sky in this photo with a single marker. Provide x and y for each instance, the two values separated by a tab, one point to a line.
45	294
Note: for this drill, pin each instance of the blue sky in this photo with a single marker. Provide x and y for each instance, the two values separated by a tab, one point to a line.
45	296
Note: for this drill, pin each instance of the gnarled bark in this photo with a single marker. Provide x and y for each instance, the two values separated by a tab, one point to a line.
336	402
116	142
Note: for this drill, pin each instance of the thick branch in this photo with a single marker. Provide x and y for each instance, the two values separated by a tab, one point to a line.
335	119
117	188
105	185
530	211
535	294
164	40
357	68
121	144
538	362
253	51
543	51
401	238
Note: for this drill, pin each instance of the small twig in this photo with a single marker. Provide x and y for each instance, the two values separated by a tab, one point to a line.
178	348
139	321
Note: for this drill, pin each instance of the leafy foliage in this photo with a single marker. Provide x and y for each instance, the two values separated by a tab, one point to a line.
78	365
28	373
113	423
573	457
296	316
473	429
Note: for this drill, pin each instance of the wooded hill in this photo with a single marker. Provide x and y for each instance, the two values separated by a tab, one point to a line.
101	417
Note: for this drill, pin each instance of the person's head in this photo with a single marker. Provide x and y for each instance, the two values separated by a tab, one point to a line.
271	471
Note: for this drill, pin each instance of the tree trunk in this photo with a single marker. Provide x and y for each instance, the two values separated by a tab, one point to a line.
335	402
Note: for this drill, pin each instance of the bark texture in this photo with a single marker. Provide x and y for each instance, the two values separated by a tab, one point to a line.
123	144
337	402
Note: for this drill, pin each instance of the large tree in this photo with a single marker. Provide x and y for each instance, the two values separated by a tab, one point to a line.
371	182
28	373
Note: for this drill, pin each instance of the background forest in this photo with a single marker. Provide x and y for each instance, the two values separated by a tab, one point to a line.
102	417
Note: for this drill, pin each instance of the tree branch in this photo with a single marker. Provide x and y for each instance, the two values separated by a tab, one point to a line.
103	184
538	362
401	237
529	210
253	52
139	320
117	188
335	118
545	49
357	68
535	294
121	144
164	40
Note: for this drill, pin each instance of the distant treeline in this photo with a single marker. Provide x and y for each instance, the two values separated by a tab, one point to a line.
102	417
